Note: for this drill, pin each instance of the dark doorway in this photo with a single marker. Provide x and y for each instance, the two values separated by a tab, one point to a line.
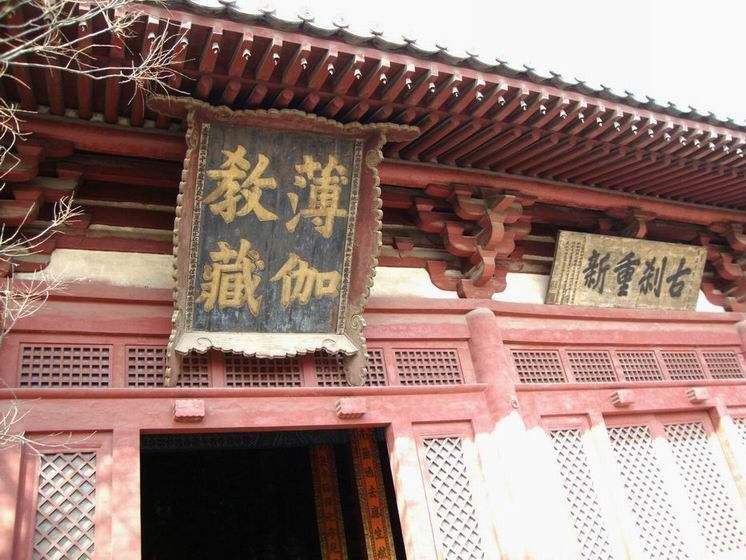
247	496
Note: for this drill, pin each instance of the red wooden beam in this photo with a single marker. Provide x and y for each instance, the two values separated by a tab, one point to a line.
137	114
323	69
508	106
466	96
466	131
490	99
564	147
174	81
480	138
111	94
376	77
210	52
398	83
419	175
85	84
120	141
297	64
542	146
346	76
269	60
236	66
418	90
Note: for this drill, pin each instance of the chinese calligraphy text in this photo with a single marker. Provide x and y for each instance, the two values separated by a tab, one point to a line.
607	271
275	214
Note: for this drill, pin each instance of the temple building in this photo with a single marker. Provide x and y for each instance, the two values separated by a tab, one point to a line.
341	297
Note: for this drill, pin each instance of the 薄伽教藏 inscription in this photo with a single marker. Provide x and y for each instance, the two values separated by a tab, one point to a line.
605	271
277	216
277	232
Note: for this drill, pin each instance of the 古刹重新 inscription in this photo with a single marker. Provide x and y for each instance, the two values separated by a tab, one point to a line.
605	271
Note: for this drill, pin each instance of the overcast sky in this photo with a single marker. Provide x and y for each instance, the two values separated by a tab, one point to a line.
689	52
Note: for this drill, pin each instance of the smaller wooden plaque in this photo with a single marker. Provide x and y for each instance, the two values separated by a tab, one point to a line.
605	271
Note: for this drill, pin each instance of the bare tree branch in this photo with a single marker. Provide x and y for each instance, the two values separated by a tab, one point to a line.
63	35
13	435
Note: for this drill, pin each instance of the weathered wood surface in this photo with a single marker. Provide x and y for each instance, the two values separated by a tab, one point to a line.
606	271
269	235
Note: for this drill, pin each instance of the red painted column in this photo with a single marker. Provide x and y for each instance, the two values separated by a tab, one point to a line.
411	499
500	435
490	359
10	473
125	494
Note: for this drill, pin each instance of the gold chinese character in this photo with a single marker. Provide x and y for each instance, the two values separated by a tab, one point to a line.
236	181
300	281
323	198
232	284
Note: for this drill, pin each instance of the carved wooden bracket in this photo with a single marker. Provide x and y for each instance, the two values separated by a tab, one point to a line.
733	234
728	288
30	193
634	223
484	236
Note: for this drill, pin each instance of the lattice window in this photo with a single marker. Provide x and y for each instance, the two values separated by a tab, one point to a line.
243	371
329	370
64	366
580	492
376	369
145	366
195	371
428	367
723	365
646	493
66	507
454	503
591	366
639	365
705	487
538	366
683	365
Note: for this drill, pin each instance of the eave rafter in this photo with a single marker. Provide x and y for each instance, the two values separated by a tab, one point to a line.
456	107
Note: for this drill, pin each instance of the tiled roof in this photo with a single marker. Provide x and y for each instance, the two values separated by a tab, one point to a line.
339	29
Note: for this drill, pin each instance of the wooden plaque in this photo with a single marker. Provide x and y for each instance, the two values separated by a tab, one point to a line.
277	232
605	271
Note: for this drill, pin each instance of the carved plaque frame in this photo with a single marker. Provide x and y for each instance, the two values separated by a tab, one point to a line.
363	236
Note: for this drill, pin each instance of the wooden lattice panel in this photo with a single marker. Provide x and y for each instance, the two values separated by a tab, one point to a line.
585	510
646	493
428	367
66	506
703	479
195	371
376	369
64	366
146	366
454	503
243	371
330	371
639	365
538	366
591	366
723	364
683	364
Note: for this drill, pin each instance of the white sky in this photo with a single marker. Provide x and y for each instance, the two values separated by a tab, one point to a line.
684	51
